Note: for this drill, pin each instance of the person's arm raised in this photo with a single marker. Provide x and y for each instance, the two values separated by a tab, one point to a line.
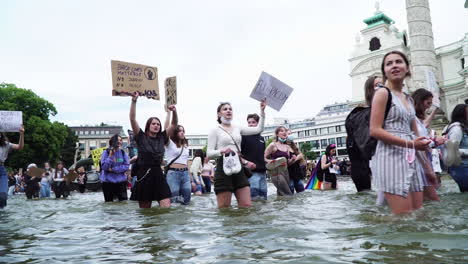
20	144
133	122
174	122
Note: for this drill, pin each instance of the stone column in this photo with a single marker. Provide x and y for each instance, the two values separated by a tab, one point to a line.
421	39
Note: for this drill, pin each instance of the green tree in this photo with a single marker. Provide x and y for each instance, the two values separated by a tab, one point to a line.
306	149
44	140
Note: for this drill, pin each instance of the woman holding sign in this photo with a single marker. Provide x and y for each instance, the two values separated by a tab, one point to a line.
5	148
224	144
151	185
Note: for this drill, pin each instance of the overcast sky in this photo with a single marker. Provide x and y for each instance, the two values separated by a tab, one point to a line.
217	49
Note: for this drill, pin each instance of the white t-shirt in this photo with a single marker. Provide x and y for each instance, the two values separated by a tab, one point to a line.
4	150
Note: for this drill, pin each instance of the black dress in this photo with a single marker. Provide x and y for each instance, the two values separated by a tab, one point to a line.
151	185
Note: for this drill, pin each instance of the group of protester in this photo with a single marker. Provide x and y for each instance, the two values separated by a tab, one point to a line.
406	155
403	164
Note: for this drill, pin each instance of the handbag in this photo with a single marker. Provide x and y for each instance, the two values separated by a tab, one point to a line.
235	159
166	168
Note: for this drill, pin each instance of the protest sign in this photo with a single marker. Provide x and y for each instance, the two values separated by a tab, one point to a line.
96	154
171	90
275	91
10	121
128	78
35	172
71	176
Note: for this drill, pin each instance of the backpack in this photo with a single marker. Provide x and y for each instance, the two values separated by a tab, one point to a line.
107	150
359	141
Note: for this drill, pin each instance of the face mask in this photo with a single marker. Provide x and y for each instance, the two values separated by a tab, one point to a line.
282	140
290	137
225	121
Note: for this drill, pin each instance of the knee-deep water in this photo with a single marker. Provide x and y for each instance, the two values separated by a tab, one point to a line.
339	226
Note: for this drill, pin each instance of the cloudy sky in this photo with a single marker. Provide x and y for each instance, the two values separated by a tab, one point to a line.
217	49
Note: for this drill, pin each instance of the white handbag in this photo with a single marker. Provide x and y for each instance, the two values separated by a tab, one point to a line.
231	163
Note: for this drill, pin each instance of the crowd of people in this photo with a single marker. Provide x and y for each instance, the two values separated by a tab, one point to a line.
403	163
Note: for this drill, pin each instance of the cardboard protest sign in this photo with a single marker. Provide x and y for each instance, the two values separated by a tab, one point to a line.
128	78
275	91
171	90
71	176
96	154
10	121
35	172
433	87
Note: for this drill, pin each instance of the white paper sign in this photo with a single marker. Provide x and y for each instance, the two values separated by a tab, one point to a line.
433	87
275	91
10	121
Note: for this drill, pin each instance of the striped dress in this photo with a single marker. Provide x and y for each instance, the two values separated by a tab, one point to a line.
391	171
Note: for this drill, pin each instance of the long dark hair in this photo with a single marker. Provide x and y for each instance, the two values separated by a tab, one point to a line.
3	139
56	169
329	148
175	137
369	89
459	115
382	66
113	140
199	153
419	96
148	123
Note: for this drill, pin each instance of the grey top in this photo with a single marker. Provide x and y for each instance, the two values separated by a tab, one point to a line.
4	150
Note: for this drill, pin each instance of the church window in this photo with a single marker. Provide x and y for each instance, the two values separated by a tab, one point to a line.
374	44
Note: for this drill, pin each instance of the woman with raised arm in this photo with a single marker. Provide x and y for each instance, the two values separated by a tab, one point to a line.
5	148
394	164
225	140
151	185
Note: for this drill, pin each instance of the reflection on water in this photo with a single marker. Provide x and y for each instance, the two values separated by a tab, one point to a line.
312	227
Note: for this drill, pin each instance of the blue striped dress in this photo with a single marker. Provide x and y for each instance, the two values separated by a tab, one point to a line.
391	171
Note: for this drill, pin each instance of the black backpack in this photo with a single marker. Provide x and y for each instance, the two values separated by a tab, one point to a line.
359	143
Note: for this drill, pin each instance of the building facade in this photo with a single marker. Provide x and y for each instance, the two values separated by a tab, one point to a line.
447	75
93	137
327	127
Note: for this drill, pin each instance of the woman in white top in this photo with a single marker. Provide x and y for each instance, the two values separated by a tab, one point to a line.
195	173
207	174
60	185
223	140
177	155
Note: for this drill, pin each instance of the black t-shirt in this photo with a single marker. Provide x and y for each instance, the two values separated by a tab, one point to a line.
150	149
253	149
11	181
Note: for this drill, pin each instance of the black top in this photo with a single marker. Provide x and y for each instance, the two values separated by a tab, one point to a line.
150	149
253	149
11	181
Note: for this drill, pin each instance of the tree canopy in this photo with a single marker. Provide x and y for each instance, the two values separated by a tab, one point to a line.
43	140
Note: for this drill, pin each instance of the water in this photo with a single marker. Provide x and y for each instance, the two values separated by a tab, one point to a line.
313	227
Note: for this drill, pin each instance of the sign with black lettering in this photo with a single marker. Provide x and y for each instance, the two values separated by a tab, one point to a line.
275	91
171	90
128	78
10	121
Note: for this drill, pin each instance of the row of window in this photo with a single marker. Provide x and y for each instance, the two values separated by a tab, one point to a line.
197	141
92	132
319	131
323	143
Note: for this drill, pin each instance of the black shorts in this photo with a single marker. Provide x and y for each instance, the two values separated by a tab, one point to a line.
151	186
224	183
112	190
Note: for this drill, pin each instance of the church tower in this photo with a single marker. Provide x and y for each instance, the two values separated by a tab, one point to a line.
372	43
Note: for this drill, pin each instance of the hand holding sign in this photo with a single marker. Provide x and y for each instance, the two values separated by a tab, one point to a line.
128	78
275	91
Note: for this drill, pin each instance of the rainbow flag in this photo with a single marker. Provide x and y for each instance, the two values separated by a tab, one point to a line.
314	183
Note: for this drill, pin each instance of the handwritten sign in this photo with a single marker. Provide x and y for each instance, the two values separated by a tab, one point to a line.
71	176
96	154
36	172
171	90
10	121
433	87
275	91
128	78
